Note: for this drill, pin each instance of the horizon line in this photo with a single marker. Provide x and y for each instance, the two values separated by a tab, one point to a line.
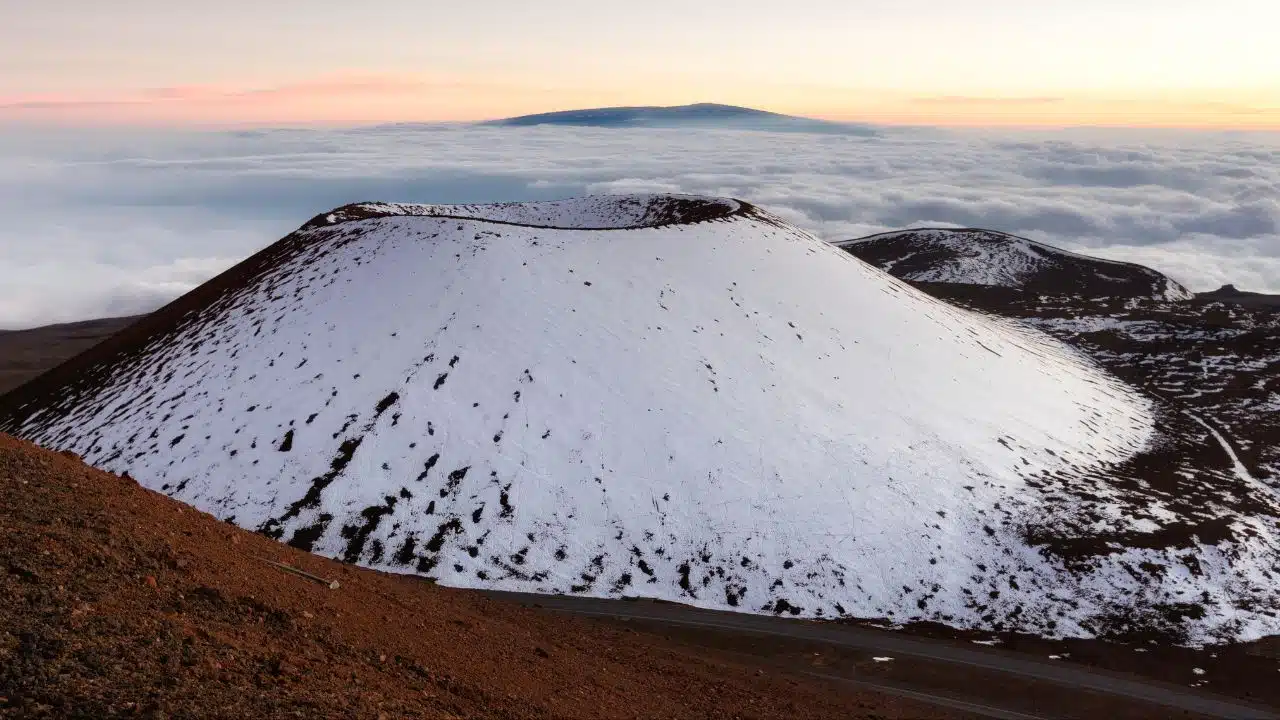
205	108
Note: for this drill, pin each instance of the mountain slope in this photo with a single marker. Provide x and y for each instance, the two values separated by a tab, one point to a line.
210	630
1214	354
26	353
986	257
698	115
1231	295
709	406
1216	357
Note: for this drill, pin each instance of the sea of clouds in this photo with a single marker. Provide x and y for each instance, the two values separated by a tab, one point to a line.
99	223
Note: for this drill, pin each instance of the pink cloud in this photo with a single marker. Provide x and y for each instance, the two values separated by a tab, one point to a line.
342	98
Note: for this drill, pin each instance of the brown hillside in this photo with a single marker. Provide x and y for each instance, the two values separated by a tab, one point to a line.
116	601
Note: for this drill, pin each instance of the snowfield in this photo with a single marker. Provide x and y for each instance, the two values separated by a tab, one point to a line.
718	409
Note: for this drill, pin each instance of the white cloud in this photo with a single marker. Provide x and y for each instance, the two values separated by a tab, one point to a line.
115	222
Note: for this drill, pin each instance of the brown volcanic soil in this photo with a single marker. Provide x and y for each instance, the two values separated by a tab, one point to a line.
25	354
116	601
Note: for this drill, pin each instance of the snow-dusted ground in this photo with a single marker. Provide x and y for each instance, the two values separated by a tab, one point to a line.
986	257
728	413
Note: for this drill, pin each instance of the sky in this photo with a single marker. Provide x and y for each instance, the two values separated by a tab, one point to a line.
146	145
1184	63
116	222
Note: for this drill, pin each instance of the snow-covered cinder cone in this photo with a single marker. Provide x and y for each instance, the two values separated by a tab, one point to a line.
996	259
666	396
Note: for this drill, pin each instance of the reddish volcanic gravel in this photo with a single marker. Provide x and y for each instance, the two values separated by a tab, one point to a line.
119	602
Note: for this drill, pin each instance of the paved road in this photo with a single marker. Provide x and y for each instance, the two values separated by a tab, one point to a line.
891	688
888	643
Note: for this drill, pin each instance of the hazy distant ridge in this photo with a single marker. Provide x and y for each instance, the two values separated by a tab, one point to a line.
697	115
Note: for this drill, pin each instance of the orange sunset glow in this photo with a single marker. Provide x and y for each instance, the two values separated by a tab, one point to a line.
357	99
992	62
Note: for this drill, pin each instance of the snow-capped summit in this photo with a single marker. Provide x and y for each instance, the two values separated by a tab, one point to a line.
675	397
986	257
698	115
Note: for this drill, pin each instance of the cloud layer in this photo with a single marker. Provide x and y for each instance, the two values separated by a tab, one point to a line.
100	223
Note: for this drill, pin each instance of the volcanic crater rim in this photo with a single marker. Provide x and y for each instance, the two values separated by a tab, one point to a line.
582	213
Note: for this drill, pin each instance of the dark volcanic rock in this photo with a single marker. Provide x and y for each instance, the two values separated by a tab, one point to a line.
1230	294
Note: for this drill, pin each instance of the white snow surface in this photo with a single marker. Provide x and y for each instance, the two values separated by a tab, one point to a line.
729	413
986	257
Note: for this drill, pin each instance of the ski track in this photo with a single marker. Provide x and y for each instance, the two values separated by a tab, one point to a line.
1238	467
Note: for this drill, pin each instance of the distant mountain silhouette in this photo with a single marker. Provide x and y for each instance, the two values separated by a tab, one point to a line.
1232	294
699	115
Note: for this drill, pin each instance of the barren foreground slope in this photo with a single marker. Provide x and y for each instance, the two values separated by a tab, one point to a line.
119	602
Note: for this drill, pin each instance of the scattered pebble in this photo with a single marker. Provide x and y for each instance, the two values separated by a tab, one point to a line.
1198	671
882	659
